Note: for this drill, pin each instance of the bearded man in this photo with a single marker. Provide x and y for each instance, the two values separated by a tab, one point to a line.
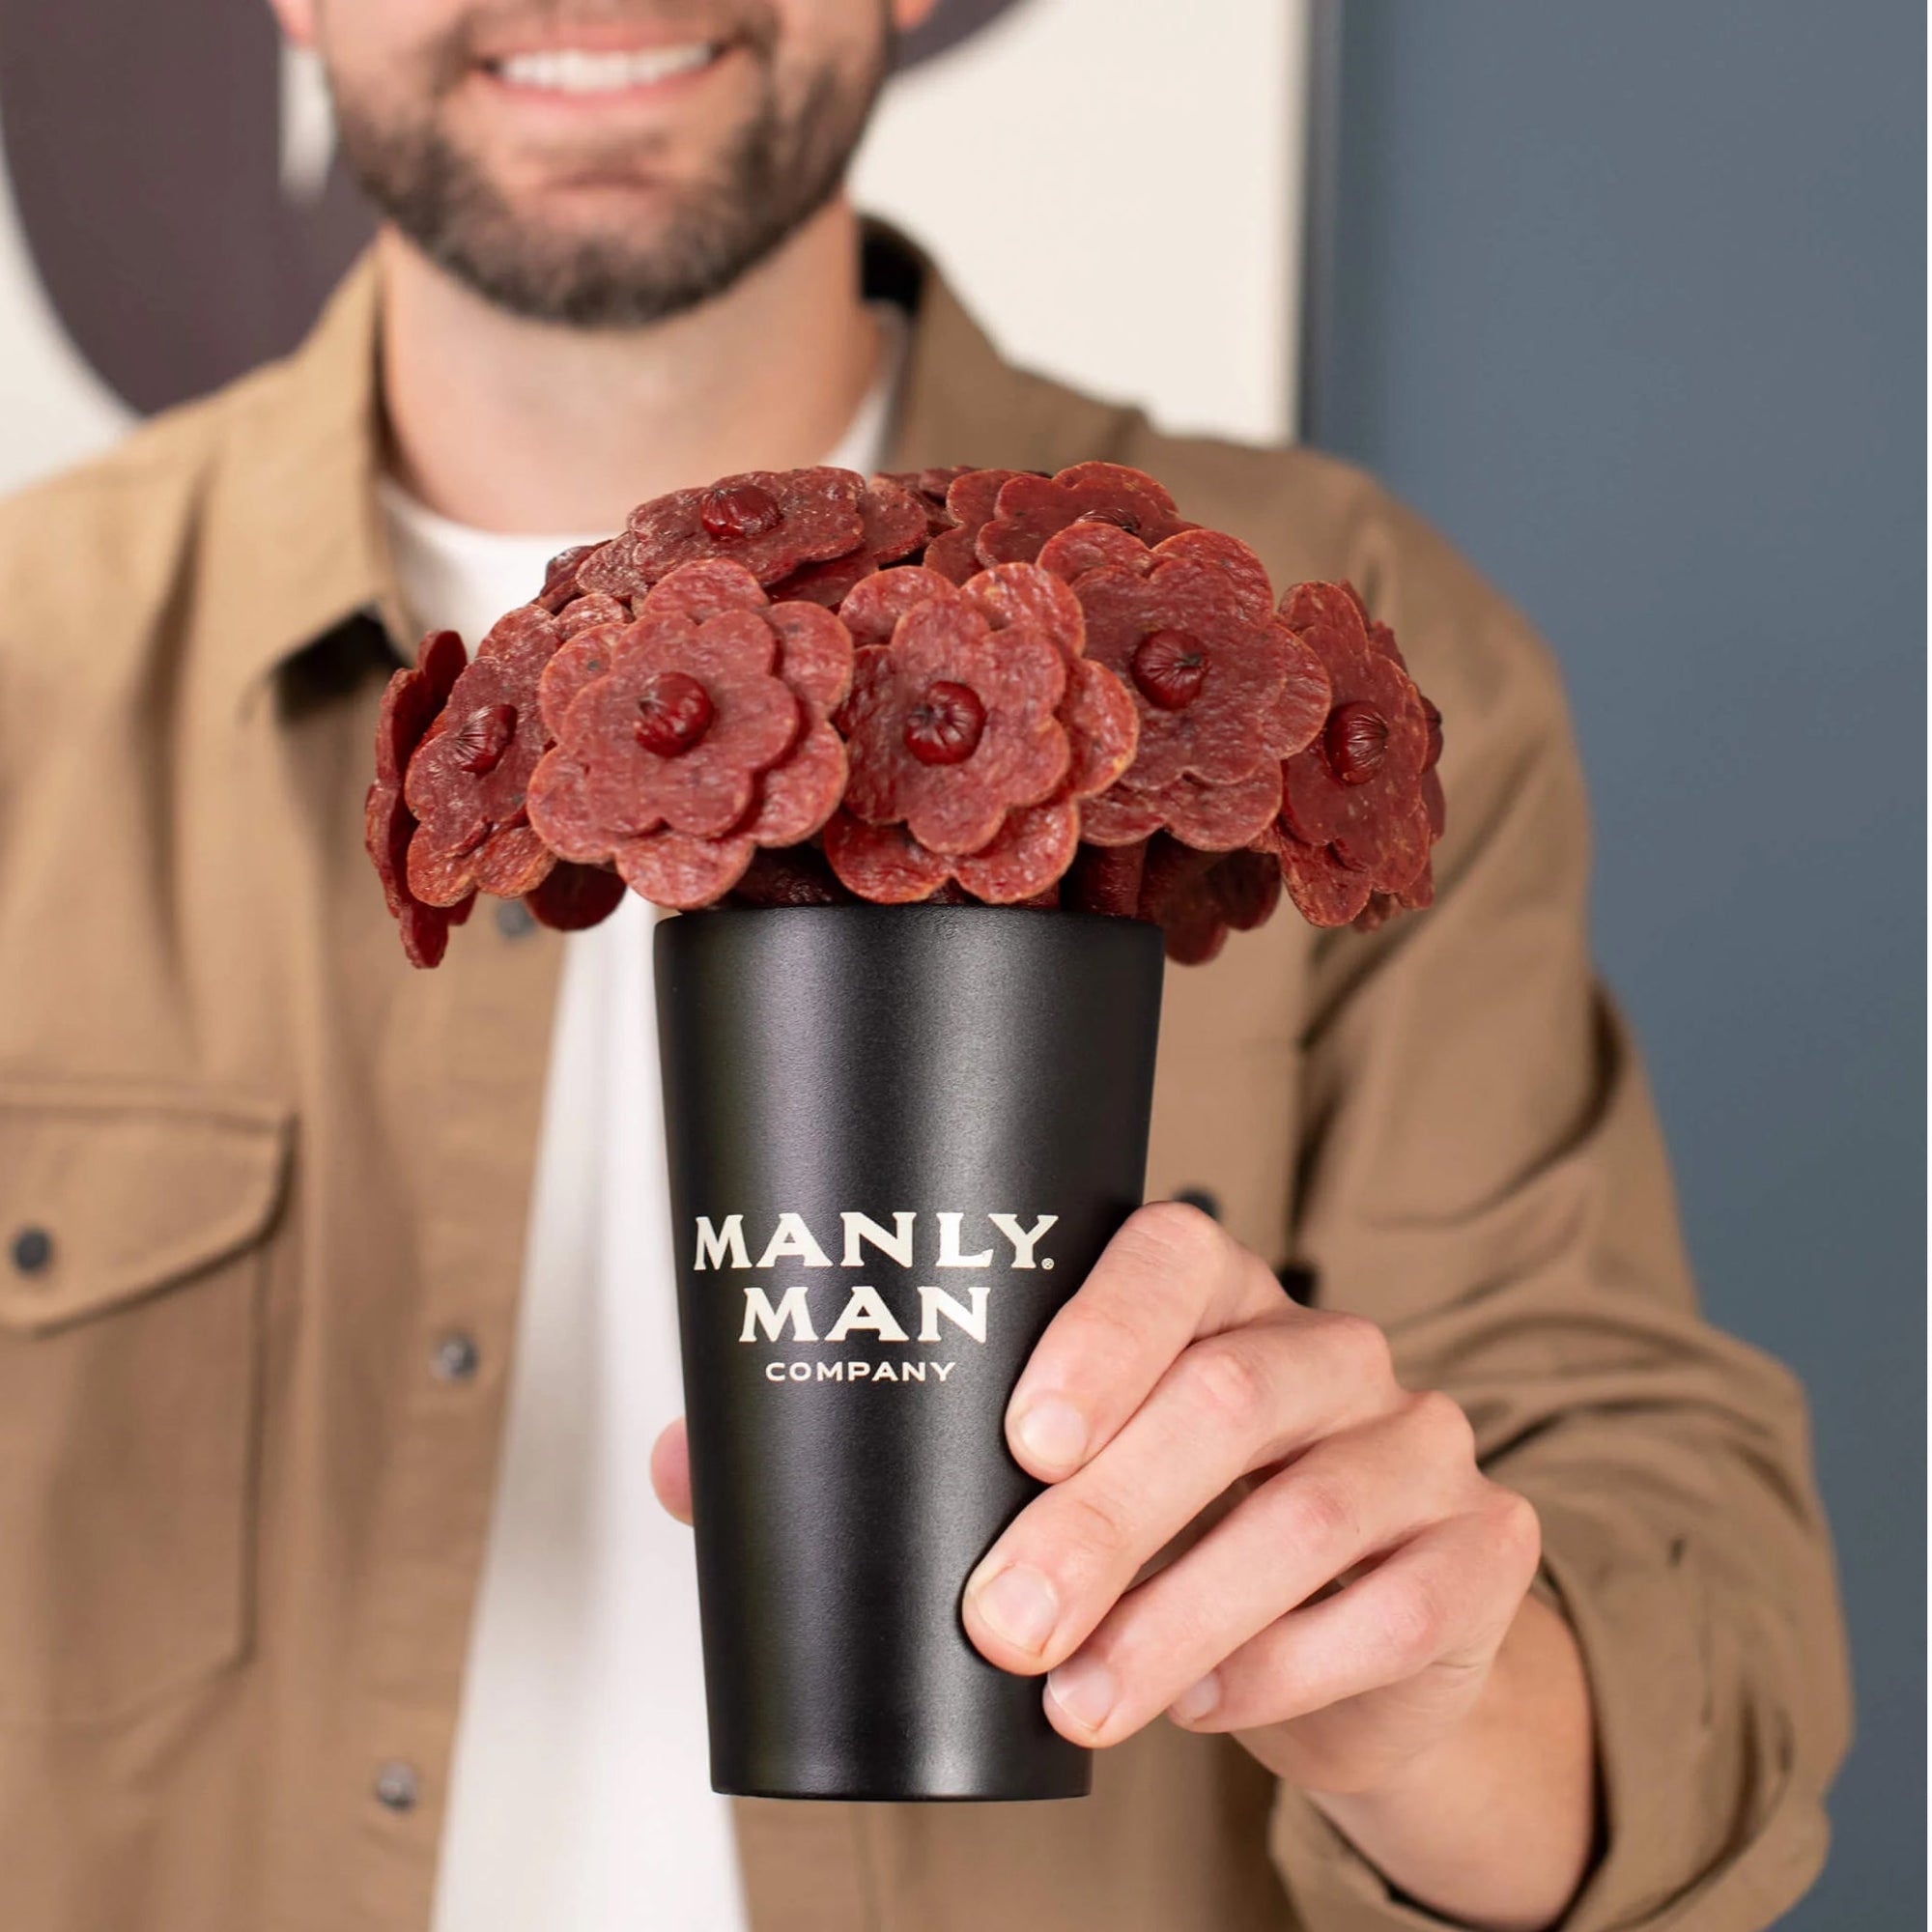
333	1354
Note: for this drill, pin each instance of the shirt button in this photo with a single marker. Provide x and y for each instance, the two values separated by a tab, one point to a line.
1199	1197
33	1251
515	919
456	1358
397	1787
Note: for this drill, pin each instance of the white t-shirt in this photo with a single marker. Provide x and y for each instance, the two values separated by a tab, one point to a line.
581	1795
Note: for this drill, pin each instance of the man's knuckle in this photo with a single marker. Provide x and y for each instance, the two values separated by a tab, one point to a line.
1096	1526
1411	1627
1226	1379
1322	1514
1361	1348
1443	1427
1177	1234
1517	1529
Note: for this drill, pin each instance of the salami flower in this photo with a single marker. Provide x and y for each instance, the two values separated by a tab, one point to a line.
1030	509
970	501
411	707
560	576
1069	732
468	781
951	686
1198	897
1223	689
930	487
894	523
692	736
1356	792
768	520
572	898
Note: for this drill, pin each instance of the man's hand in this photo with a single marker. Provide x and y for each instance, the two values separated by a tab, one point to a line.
1253	1527
1180	1399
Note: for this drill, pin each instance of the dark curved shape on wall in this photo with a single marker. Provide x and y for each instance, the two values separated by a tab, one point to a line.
143	143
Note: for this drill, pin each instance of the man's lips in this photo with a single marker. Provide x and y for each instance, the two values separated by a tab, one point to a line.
587	72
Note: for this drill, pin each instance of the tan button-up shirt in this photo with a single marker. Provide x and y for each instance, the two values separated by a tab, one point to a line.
263	1193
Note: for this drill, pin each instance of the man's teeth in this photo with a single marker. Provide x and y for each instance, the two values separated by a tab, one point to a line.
579	70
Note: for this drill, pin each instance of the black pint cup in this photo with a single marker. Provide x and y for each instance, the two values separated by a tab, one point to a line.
899	1137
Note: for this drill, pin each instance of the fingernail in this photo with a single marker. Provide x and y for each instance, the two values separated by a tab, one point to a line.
1020	1606
1084	1688
1197	1700
1053	1434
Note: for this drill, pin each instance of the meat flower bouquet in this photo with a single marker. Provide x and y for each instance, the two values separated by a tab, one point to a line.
946	761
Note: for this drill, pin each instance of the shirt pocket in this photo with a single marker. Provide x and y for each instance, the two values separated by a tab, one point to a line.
132	1230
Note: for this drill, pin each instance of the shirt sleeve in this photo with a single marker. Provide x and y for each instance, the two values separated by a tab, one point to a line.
1483	1175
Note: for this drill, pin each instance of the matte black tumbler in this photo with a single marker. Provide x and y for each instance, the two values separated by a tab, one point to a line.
899	1137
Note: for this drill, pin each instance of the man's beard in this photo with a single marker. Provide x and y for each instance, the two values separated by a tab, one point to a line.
779	169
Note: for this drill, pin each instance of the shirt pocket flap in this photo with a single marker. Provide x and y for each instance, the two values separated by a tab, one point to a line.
109	1193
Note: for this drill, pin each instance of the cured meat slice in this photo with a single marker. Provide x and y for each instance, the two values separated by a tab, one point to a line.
770	521
411	703
952	725
970	499
894	525
1105	879
1030	509
882	863
670	868
876	603
1026	857
572	898
468	781
587	613
1358	788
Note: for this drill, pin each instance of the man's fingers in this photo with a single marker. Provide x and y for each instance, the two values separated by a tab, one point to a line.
1354	1494
670	1469
1232	1402
1445	1597
1168	1276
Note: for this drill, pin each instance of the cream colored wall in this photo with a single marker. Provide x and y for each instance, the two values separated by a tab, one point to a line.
1116	188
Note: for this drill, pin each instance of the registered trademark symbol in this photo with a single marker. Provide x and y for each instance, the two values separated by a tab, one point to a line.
1047	1261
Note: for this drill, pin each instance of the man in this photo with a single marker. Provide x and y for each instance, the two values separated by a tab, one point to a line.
324	1598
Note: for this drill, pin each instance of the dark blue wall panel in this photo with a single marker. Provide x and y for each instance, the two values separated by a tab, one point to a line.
1629	299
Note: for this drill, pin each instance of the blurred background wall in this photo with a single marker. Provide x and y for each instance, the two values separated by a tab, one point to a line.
1630	299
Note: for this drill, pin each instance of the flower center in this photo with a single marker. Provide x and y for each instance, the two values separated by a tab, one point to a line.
944	726
743	510
1356	739
673	713
484	736
1170	667
1112	513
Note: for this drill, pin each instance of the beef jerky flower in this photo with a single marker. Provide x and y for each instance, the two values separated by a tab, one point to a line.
951	728
970	500
930	487
1030	509
411	707
1197	899
1358	790
877	846
769	521
694	735
1223	689
467	782
894	526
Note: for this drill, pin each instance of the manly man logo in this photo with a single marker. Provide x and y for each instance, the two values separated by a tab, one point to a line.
913	1244
175	172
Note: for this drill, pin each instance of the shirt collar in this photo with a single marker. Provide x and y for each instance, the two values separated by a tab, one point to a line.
307	456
